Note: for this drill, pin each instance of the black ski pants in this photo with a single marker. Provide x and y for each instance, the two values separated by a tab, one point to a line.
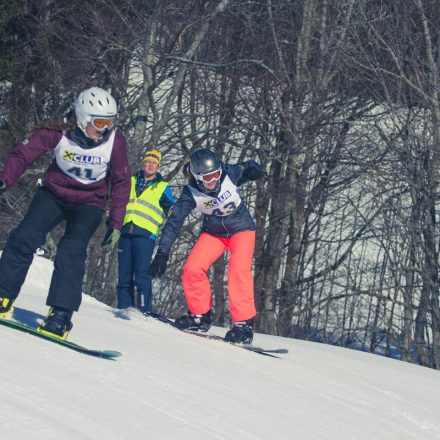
45	212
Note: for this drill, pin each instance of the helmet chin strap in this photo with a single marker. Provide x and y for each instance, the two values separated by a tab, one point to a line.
82	129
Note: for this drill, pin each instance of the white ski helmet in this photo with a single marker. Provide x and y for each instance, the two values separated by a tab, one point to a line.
94	102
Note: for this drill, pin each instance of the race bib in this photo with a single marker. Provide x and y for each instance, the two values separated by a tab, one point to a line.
86	165
227	201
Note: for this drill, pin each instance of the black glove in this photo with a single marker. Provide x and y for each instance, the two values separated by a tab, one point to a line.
158	265
2	187
110	239
251	170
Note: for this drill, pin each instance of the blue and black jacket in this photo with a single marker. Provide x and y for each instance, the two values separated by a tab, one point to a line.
220	226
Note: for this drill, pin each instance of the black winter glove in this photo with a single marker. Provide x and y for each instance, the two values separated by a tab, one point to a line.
158	265
110	239
252	170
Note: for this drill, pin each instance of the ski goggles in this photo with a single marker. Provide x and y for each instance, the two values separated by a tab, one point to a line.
102	123
211	177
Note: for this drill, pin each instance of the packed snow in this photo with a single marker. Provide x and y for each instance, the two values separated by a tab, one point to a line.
171	385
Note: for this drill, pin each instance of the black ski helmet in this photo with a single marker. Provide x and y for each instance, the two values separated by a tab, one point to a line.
203	161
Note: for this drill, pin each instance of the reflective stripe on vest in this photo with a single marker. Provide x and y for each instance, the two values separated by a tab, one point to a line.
145	211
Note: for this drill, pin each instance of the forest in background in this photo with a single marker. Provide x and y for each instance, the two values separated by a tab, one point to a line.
338	100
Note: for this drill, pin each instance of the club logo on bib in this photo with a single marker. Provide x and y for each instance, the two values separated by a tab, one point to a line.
215	202
81	158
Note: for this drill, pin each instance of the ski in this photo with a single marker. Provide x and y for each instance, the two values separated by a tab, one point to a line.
255	349
247	347
105	354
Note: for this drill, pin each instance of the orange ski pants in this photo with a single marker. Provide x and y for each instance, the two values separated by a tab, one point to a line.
205	252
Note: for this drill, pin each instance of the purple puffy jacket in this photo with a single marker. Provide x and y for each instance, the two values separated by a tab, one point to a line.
65	187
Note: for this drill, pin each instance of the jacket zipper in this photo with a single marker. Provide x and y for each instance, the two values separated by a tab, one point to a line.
226	229
132	224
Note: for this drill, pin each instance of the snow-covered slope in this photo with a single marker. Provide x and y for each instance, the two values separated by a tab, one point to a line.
170	385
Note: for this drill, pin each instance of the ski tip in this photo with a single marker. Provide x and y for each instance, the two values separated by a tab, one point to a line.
110	353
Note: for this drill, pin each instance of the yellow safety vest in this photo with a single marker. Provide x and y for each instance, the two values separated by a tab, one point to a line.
145	211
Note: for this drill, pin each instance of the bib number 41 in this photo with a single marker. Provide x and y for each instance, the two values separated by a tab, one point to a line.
83	173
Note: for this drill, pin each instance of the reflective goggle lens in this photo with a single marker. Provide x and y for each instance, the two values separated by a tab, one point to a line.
101	123
215	175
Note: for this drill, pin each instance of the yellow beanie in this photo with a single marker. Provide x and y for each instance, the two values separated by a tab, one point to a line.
153	155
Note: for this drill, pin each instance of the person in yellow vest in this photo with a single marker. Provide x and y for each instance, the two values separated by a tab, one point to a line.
150	201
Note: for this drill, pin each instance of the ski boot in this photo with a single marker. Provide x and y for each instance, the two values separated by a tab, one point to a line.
241	332
57	323
194	322
6	308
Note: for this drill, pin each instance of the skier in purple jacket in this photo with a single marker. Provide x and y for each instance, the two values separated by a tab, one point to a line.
89	158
